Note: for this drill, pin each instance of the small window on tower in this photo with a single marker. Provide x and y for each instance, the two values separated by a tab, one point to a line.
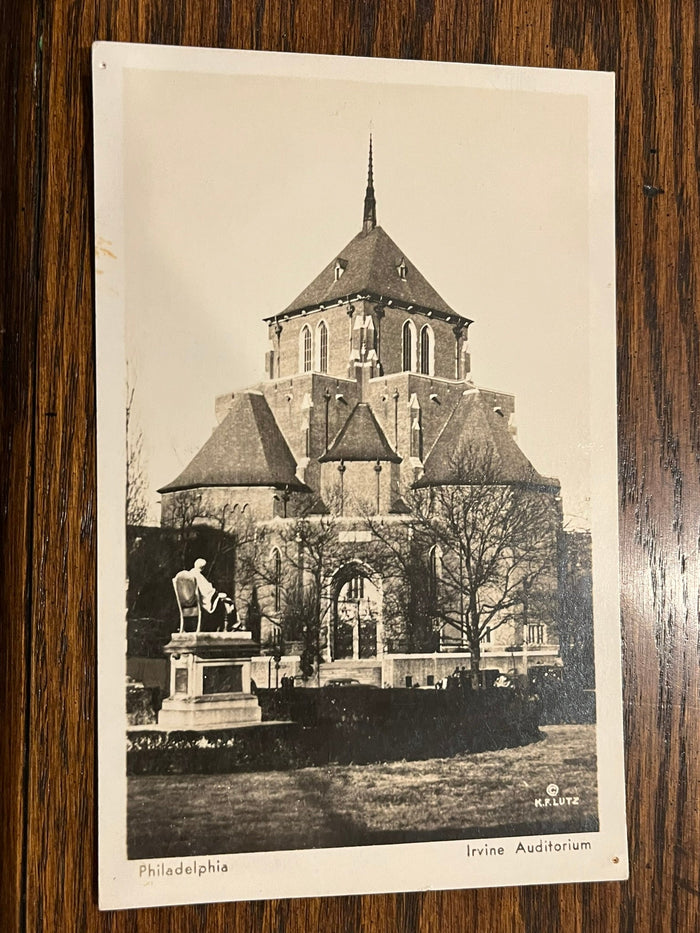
340	266
305	349
402	269
409	346
322	347
426	351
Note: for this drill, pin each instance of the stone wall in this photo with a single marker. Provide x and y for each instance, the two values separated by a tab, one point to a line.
426	669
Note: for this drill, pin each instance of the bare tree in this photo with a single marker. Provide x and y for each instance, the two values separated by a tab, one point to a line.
136	498
398	554
184	508
489	546
240	543
308	545
317	547
575	623
193	526
236	542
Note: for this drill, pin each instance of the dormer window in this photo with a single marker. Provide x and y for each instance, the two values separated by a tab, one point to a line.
340	267
402	269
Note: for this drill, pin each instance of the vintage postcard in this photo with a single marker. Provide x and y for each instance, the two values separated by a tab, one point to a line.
358	594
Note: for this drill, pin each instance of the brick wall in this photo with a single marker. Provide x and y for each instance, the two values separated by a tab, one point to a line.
289	400
259	499
343	337
444	343
338	324
436	401
359	486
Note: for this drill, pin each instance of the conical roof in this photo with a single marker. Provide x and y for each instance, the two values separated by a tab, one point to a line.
361	438
246	449
372	264
476	446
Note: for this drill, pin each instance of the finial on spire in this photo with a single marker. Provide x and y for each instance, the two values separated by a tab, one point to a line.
369	221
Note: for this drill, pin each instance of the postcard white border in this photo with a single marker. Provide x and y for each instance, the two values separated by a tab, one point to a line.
404	867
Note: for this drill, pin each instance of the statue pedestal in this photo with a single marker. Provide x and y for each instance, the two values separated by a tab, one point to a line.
210	681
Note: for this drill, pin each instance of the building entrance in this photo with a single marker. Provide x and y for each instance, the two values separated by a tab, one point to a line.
356	615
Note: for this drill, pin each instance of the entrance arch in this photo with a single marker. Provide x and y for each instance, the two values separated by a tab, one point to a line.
356	604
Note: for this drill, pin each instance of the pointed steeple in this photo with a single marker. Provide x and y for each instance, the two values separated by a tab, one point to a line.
369	221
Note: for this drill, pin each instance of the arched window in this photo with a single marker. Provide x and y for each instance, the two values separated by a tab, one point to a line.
434	571
305	349
322	344
426	351
409	346
277	579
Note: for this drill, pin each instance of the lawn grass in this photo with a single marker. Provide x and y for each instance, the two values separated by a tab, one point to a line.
467	796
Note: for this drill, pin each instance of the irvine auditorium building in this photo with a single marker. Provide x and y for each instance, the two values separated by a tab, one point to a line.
366	393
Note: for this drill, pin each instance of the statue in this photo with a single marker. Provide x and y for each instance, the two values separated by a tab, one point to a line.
194	594
210	674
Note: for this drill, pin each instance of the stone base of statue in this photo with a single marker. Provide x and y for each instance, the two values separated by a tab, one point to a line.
210	681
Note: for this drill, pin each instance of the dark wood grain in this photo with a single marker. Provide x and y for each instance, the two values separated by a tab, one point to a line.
48	441
19	270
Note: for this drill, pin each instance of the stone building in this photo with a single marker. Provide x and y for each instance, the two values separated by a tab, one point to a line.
366	395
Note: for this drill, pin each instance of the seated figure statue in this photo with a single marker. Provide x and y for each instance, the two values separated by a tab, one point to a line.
195	594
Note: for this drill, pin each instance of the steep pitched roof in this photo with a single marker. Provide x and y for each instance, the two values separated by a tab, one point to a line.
246	449
475	445
371	262
361	438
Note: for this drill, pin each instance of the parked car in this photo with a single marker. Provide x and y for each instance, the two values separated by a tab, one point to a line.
349	682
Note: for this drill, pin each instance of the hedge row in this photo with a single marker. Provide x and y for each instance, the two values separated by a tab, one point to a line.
336	726
564	704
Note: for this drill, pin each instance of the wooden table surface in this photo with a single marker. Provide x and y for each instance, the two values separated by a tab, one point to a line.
48	440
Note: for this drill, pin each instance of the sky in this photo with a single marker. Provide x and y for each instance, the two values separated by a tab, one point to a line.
239	189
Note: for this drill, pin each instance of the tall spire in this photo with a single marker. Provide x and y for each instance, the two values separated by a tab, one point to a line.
369	221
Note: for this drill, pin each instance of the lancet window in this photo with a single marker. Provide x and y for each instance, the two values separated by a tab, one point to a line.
426	351
322	339
305	349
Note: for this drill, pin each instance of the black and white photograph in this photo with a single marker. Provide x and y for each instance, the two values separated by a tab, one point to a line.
357	508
